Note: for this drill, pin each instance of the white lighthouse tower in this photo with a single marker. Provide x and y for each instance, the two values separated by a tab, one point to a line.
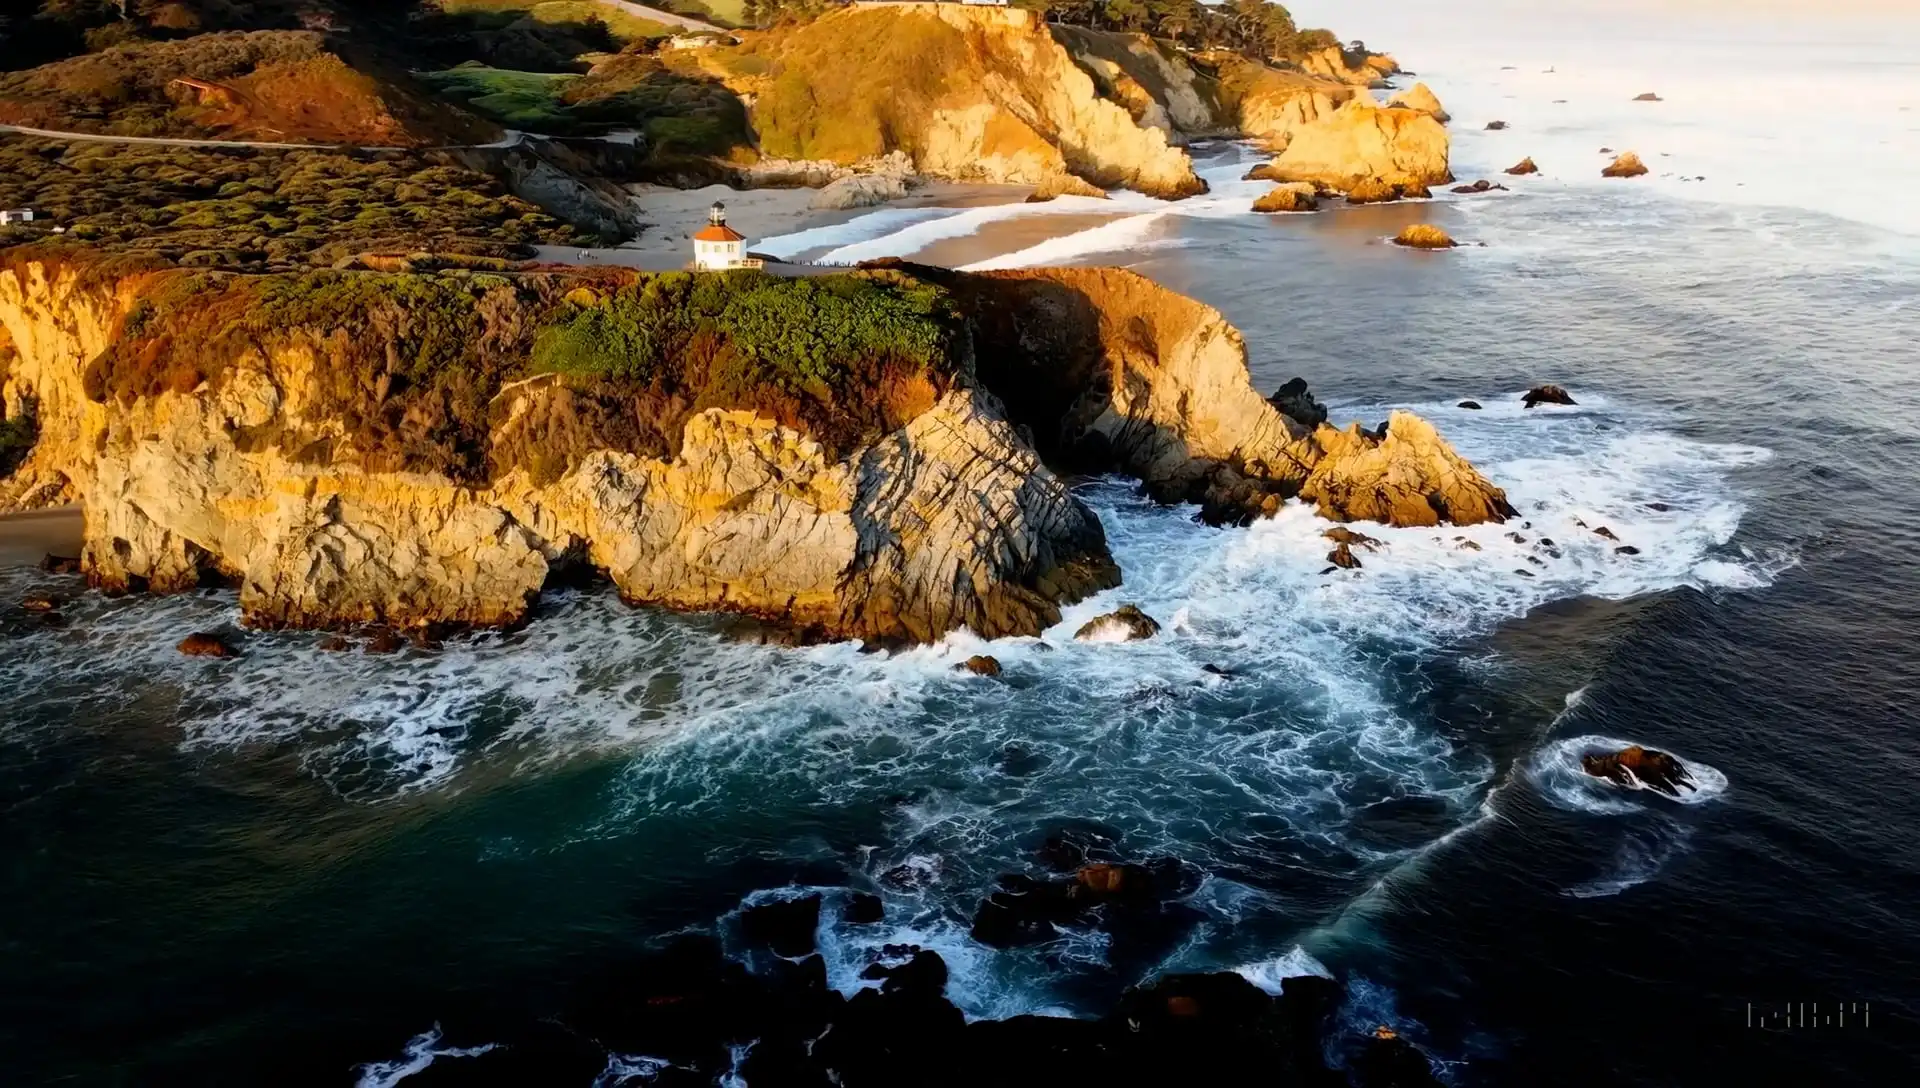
717	247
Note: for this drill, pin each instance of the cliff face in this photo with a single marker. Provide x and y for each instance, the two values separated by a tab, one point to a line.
970	93
946	521
267	468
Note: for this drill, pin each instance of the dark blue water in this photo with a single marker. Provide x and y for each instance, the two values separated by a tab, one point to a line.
277	869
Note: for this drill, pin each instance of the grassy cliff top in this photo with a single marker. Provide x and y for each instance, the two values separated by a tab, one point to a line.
411	363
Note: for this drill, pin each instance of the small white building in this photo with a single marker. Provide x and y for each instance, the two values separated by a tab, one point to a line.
717	247
16	215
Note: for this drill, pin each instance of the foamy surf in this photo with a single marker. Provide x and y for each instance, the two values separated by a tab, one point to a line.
421	1051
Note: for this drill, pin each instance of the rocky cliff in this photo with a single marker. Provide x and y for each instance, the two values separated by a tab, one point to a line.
287	435
973	93
1111	372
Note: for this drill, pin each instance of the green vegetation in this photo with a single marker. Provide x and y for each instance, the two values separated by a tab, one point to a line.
528	101
410	363
264	209
680	113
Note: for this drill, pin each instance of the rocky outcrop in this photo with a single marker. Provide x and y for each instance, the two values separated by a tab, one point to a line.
248	469
970	93
1331	63
1628	165
1523	168
859	191
1113	373
1364	141
1060	185
1422	99
1287	198
1424	236
1376	191
948	521
1481	186
1157	85
1635	766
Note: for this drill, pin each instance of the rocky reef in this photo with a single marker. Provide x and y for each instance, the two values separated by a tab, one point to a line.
859	456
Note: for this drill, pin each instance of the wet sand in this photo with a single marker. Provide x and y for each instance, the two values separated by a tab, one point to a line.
27	538
1003	236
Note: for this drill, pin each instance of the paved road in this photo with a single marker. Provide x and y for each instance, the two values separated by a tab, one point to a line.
641	11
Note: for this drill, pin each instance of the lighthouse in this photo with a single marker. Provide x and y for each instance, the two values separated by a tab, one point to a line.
717	247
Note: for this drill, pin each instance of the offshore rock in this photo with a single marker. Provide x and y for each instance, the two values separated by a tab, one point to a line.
1365	141
1628	165
1287	198
860	191
1127	624
1424	236
1546	394
1295	401
1637	766
1523	168
981	665
203	644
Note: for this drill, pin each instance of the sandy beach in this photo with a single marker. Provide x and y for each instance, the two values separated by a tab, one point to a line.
674	214
27	538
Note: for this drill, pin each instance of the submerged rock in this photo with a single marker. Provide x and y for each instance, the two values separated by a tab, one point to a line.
39	602
1470	405
1496	126
1648	97
1523	168
206	644
1628	165
1546	394
1424	236
60	564
1481	186
1126	624
1634	765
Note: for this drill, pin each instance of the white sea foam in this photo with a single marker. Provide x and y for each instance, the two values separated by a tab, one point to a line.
627	1070
421	1051
1271	974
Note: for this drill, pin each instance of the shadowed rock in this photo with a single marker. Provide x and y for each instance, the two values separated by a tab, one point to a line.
784	925
1295	401
1287	198
1523	168
981	665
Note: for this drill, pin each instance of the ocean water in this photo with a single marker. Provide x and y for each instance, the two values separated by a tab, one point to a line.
311	868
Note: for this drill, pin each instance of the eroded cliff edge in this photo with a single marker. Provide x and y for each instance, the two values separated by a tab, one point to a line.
852	456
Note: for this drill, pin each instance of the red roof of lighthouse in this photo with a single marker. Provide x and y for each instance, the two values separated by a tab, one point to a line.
719	232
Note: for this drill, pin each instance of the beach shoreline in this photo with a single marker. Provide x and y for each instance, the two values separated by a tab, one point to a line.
29	536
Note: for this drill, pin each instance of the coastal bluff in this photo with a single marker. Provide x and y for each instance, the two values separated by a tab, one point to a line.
867	455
